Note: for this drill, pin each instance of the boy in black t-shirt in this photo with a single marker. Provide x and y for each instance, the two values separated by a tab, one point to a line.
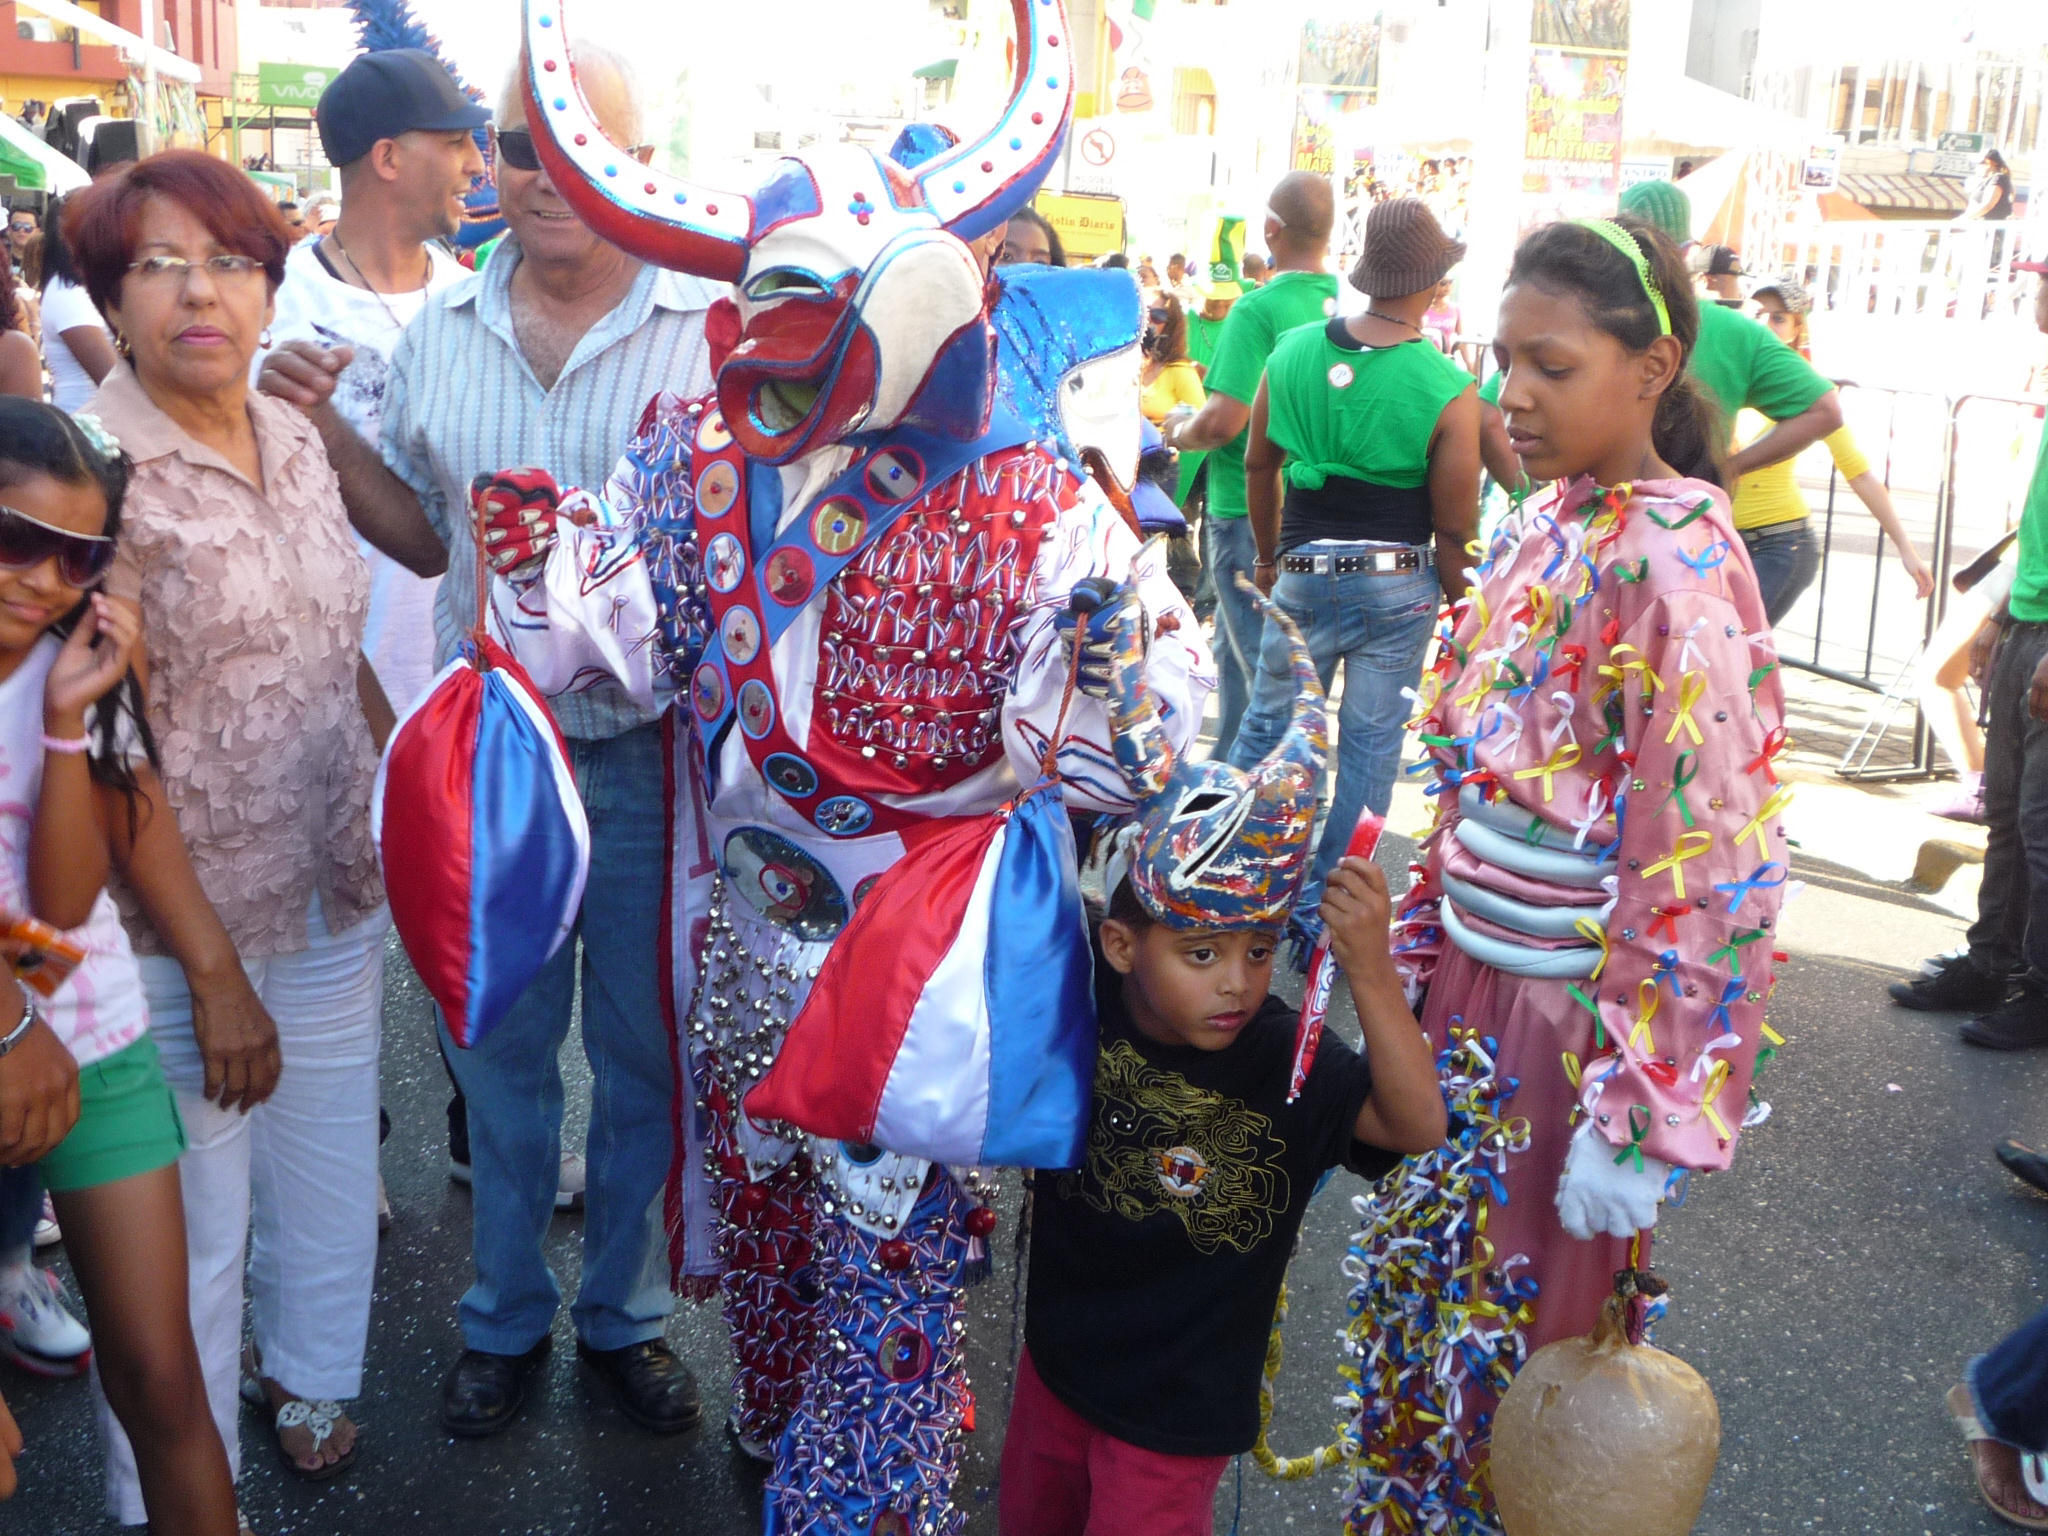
1155	1268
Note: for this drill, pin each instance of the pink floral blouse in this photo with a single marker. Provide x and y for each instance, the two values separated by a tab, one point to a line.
253	601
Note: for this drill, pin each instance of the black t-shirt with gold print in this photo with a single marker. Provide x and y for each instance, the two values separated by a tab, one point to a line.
1155	1268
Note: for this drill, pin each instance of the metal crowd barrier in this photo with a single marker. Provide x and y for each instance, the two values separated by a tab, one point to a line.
1956	467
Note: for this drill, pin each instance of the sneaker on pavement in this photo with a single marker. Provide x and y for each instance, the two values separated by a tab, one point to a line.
569	1182
36	1331
1956	986
48	1233
2018	1024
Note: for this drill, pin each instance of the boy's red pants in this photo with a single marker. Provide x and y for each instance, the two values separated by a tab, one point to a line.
1064	1477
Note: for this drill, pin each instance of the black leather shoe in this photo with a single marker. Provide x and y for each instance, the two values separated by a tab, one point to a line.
2024	1162
1957	987
654	1389
485	1392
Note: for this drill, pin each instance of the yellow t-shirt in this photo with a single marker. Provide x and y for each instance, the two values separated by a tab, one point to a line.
1771	495
1178	384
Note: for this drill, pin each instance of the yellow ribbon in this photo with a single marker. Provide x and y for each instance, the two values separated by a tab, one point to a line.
1427	692
1593	933
1715	1080
1689	690
1485	674
1770	1034
1560	760
1540	607
1690	845
1754	827
1572	1070
1647	1000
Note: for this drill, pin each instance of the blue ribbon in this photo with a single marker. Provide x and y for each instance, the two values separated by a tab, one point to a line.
1731	992
1707	559
1738	890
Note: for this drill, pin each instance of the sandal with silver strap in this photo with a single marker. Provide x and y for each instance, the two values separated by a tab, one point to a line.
317	1416
2033	1469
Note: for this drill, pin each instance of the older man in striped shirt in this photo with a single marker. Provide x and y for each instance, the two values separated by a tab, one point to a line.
547	358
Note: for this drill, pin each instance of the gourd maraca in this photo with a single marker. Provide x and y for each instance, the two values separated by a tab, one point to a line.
1602	1434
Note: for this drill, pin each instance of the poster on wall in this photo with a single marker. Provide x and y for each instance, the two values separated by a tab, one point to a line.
1320	124
1340	55
1596	25
1821	171
1572	151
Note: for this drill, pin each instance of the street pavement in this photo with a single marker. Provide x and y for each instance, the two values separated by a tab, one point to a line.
1830	1287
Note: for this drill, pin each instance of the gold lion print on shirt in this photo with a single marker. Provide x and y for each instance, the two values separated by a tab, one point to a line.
1158	1143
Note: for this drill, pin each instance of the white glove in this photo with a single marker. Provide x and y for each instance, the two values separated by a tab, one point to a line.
1597	1194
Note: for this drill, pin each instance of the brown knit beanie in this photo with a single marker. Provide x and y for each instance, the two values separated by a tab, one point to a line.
1406	250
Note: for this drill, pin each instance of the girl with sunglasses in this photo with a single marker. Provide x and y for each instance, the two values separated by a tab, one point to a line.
79	797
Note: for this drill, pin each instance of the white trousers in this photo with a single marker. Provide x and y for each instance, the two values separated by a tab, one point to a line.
304	1161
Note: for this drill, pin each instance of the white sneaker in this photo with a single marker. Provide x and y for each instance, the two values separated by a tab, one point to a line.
36	1332
569	1181
48	1233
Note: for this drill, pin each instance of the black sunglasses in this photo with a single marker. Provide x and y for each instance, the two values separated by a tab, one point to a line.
515	148
25	542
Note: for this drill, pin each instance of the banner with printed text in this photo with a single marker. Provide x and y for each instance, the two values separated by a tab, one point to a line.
1571	153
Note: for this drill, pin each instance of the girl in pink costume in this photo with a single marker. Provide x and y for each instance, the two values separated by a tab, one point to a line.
1593	928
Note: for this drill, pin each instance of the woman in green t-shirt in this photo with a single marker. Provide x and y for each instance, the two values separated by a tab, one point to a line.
1362	480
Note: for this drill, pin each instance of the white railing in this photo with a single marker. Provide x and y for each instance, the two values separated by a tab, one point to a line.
1909	269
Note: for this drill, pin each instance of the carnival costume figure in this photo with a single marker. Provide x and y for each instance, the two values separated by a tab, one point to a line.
852	567
1592	935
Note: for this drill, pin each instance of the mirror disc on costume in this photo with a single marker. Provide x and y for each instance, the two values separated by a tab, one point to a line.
717	489
707	693
837	526
895	475
724	562
757	708
904	1355
711	432
789	577
784	884
860	891
740	633
792	775
844	816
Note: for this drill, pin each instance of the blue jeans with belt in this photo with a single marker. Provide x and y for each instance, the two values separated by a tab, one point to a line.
513	1082
1378	624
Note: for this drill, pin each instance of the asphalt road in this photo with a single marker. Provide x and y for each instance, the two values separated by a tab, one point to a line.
1830	1288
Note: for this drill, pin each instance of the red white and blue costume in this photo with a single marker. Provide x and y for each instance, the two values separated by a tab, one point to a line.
850	568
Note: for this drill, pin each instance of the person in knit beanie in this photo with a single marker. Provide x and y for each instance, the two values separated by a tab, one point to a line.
1662	205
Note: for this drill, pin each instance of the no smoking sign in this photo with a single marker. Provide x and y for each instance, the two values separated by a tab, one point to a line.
1098	146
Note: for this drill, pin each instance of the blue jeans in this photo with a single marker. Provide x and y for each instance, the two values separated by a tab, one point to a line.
1379	627
21	1206
1787	558
1232	551
513	1082
2010	1386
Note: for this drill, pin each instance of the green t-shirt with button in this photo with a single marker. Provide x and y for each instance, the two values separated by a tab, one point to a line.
1254	327
1369	413
1743	366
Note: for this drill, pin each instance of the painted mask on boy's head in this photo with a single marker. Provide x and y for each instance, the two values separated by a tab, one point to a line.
1217	846
860	307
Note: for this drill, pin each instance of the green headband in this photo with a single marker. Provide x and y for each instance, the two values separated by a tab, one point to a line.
1630	247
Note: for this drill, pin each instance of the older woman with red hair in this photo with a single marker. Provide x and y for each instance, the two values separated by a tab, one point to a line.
264	977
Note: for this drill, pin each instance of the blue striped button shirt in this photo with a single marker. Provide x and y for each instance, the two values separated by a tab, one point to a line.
462	400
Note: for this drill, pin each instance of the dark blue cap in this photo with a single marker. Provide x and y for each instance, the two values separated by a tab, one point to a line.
386	93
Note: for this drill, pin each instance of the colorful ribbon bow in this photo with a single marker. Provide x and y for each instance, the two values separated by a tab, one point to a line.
1738	890
1731	993
1754	827
1690	687
1564	757
1690	845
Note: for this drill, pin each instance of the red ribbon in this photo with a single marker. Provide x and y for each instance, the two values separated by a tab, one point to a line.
1569	659
1774	743
1667	920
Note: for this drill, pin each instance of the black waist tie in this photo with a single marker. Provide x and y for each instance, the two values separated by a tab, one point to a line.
1344	509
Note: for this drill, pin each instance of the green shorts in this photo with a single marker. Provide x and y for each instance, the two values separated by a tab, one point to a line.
127	1123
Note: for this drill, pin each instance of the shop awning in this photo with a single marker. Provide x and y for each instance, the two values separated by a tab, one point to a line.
939	69
35	166
100	30
1906	192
